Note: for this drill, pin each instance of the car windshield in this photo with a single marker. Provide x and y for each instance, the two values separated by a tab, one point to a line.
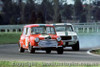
64	28
42	30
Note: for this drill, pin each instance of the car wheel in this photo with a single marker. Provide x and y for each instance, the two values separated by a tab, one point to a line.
75	47
48	51
31	49
60	50
21	49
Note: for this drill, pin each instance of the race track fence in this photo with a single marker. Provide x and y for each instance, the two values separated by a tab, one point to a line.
87	27
79	28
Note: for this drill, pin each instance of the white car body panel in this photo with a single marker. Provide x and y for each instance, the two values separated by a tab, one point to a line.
73	34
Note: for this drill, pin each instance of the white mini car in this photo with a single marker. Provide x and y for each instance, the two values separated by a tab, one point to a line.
68	35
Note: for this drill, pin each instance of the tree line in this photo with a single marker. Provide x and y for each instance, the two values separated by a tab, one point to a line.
55	11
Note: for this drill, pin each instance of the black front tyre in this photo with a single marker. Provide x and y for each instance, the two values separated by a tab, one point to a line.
31	49
21	49
75	47
48	51
60	50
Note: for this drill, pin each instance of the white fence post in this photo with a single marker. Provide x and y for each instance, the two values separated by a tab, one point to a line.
6	30
83	30
77	29
87	30
97	30
92	29
16	30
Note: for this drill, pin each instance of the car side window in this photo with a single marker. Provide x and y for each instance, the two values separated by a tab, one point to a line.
25	32
28	31
52	30
69	28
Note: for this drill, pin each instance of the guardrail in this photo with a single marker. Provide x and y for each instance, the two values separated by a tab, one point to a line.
11	28
79	28
87	27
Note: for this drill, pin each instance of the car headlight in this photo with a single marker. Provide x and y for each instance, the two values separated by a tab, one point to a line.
59	39
75	37
36	39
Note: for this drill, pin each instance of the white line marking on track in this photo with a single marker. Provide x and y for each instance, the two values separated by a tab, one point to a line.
88	52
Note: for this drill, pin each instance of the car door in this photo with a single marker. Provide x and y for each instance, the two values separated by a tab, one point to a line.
27	35
24	37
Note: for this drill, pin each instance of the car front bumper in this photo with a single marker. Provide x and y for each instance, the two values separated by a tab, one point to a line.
69	42
46	47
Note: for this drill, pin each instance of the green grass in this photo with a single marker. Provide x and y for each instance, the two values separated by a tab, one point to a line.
13	38
9	38
96	51
44	64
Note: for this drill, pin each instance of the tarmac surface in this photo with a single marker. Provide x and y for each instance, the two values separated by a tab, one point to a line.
87	42
10	52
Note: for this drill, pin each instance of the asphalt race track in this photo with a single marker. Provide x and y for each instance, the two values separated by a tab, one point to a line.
10	52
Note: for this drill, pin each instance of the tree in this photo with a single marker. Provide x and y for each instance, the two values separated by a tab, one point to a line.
83	17
97	14
1	19
67	11
98	3
29	11
5	10
47	10
11	10
22	10
78	9
40	18
56	11
33	18
59	18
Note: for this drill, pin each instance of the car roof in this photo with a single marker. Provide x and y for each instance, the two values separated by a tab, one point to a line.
37	25
61	24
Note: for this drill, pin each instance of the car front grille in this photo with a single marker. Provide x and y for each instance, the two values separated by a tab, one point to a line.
48	43
66	37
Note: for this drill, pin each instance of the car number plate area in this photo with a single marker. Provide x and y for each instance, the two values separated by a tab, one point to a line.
71	43
48	43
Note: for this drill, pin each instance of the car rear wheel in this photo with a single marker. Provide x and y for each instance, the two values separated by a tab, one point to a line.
48	51
21	49
31	49
75	47
60	50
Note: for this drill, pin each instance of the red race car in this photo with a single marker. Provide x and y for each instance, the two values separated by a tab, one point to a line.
40	36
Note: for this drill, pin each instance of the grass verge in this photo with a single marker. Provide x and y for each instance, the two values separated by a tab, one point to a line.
97	51
12	38
44	64
9	38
